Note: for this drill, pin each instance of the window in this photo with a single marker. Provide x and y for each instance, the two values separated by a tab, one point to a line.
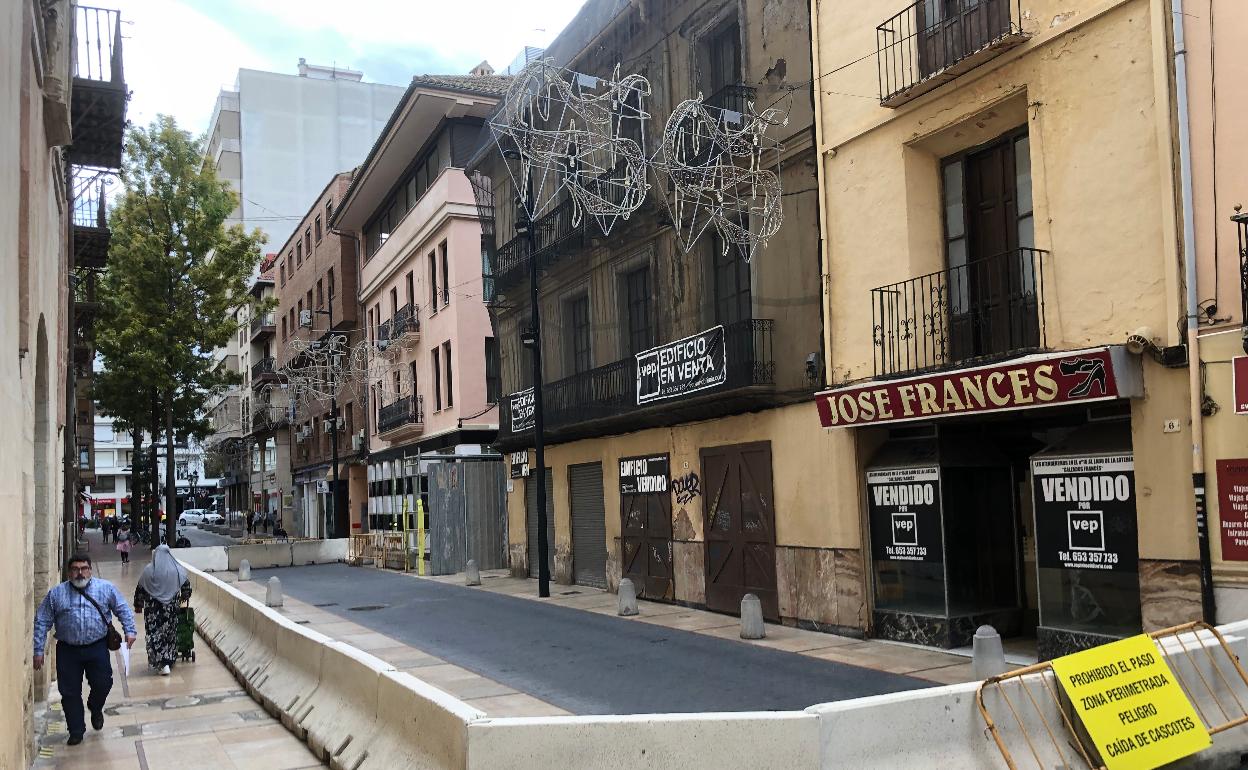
300	309
283	327
412	377
329	209
578	334
725	58
317	227
394	302
292	320
637	310
105	484
299	253
493	379
731	280
329	277
377	314
446	274
371	328
411	287
320	294
282	272
307	241
433	283
487	272
309	305
437	381
398	383
450	383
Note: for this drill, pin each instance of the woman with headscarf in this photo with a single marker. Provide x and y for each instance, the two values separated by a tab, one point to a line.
162	586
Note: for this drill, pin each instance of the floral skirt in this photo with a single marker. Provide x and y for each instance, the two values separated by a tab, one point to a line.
159	623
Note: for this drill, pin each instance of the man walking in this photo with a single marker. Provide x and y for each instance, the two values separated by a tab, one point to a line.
81	611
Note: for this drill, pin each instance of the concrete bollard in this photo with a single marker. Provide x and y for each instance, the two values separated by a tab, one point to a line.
274	596
627	598
987	654
752	618
472	575
244	570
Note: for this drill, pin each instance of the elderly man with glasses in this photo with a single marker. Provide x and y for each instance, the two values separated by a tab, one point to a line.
81	611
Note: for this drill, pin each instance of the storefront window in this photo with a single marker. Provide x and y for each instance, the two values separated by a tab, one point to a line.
906	541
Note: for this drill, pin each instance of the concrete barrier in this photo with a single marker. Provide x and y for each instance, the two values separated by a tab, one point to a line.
261	555
422	726
745	740
319	551
209	558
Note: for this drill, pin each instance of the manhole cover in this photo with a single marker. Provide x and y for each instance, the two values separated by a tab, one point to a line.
368	607
326	604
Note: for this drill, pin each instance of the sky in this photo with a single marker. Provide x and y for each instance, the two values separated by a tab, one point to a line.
180	53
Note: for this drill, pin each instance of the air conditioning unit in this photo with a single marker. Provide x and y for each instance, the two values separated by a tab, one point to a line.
357	442
327	426
300	435
305	319
383	344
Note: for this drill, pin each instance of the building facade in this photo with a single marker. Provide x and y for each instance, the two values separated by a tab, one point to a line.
1009	418
698	488
264	404
422	293
316	293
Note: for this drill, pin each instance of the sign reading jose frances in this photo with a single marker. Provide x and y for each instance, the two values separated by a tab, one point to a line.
1036	381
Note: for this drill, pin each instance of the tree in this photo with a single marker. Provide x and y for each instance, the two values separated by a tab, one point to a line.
174	273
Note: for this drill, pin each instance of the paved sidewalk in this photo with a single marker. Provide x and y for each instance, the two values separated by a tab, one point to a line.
198	717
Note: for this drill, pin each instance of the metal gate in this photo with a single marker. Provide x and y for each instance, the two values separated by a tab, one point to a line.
646	542
589	525
740	526
530	516
467	516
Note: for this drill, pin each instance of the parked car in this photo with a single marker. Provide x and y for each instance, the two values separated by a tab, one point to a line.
212	517
191	516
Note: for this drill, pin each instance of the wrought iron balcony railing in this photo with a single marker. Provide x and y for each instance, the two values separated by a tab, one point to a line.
988	308
97	56
736	98
263	322
405	411
934	41
89	205
553	235
265	368
406	320
1241	223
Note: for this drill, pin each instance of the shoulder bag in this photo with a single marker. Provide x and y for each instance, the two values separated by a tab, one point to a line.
113	637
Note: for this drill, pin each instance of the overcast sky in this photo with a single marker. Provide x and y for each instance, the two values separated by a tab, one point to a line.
180	53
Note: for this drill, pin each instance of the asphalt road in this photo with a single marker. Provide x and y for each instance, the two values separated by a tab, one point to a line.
199	537
585	662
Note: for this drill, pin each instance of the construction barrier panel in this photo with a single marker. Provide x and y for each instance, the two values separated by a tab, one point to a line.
318	551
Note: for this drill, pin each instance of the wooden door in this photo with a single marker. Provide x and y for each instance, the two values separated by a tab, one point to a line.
740	524
951	30
646	543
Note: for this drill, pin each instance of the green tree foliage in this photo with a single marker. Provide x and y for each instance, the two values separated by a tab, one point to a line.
175	271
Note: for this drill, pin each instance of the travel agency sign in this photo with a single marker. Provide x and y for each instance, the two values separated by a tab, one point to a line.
1098	374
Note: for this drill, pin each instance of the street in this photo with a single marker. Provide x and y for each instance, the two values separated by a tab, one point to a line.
584	662
200	537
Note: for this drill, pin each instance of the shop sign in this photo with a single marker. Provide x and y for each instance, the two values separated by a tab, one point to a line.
1239	383
681	367
519	464
1037	381
644	475
903	505
522	410
1233	508
1085	512
1133	708
322	487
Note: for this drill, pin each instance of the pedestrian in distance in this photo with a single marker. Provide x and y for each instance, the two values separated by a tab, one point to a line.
124	539
163	585
80	610
106	525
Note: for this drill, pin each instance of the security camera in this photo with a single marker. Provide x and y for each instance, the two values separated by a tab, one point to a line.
1140	340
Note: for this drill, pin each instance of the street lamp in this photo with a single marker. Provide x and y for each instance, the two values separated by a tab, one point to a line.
339	525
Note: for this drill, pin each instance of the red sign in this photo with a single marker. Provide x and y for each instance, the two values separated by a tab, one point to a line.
1239	380
1233	508
1035	381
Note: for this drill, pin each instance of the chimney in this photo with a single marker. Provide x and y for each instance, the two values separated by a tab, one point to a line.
303	67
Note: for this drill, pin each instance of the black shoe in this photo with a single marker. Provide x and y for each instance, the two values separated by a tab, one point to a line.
74	740
97	720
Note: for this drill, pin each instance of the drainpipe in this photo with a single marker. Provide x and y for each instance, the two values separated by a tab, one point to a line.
1195	389
821	215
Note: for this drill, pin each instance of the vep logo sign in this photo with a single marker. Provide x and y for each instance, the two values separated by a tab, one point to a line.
905	529
1087	530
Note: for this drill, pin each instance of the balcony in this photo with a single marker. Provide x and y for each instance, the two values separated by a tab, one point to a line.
90	220
262	325
402	419
98	105
86	301
592	402
988	309
267	416
403	328
933	41
264	371
735	98
554	235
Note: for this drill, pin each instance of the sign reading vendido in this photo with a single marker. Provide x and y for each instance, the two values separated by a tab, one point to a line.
522	408
1085	375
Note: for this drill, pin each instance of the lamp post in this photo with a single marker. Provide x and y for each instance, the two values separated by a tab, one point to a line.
334	525
193	476
532	339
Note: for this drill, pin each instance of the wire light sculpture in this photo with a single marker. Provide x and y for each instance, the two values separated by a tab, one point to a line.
723	169
579	133
331	368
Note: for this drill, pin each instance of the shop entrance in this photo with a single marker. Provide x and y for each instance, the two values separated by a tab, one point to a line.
740	527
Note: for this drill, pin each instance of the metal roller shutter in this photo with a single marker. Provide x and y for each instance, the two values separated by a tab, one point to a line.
589	525
530	515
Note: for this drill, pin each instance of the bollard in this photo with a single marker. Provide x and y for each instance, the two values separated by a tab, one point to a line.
628	598
244	570
752	618
987	654
274	596
472	575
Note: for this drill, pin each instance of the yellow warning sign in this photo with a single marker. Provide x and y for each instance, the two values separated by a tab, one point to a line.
1131	704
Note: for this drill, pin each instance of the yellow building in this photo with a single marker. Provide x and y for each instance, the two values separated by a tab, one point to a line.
1005	316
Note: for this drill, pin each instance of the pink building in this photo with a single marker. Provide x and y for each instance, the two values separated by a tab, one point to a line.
422	293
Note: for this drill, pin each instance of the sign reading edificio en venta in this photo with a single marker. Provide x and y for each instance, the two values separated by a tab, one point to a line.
685	366
1085	512
522	405
1131	704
